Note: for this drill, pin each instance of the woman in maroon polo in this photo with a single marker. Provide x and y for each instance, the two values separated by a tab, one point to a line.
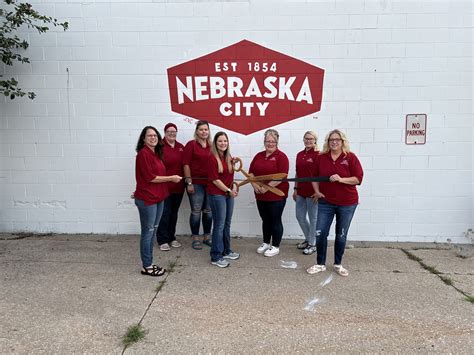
150	193
195	160
221	192
270	206
338	197
306	207
173	159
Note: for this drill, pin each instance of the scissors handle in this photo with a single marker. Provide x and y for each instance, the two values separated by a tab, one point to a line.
256	180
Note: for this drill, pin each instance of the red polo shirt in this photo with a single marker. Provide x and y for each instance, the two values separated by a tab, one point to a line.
277	162
227	177
305	161
173	160
346	165
148	166
197	158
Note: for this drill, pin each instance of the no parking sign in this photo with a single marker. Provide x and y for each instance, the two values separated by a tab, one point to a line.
415	129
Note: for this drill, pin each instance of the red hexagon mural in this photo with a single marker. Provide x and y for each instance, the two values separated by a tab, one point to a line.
245	88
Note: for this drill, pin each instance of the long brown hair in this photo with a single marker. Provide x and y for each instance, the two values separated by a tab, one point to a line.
227	155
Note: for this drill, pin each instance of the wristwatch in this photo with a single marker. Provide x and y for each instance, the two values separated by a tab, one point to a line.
188	182
228	191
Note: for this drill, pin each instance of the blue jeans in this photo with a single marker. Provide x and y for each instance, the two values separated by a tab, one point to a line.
305	206
167	227
222	208
326	213
200	205
149	220
272	226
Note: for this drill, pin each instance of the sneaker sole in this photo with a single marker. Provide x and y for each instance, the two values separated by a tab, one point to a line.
269	256
228	258
219	265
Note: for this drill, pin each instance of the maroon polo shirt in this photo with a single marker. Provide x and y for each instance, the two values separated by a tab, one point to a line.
277	162
305	161
227	177
197	158
346	165
148	166
173	160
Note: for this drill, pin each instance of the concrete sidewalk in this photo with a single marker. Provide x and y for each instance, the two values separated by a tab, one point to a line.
80	293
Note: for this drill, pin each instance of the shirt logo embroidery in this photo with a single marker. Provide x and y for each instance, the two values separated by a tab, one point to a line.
345	162
310	160
272	159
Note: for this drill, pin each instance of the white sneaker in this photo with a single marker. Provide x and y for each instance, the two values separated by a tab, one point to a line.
315	269
272	251
165	247
262	248
175	244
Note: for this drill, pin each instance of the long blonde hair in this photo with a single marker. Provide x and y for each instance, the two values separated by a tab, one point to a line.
345	143
199	124
227	155
315	136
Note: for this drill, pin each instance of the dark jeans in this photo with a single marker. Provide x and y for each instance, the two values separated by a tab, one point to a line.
199	202
326	213
222	208
167	227
272	226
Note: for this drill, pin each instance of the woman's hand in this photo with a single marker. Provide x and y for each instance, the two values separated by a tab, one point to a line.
234	193
316	196
335	178
190	189
175	178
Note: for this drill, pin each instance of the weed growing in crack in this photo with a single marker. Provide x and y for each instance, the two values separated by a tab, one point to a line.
172	265
134	334
470	298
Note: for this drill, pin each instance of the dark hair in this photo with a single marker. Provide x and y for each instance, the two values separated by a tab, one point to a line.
141	141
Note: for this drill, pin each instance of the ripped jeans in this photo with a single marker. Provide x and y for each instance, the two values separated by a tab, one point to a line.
149	219
326	213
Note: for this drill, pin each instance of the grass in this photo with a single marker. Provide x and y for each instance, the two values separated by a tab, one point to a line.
470	298
134	334
172	265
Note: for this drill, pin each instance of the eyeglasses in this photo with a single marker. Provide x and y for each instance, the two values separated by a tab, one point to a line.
309	139
171	132
269	142
151	135
334	140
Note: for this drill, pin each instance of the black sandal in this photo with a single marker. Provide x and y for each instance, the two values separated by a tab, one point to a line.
153	270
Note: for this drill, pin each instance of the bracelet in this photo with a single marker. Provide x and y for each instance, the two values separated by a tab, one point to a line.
228	191
295	188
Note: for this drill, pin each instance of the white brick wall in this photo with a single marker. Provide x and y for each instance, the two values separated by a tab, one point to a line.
67	158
